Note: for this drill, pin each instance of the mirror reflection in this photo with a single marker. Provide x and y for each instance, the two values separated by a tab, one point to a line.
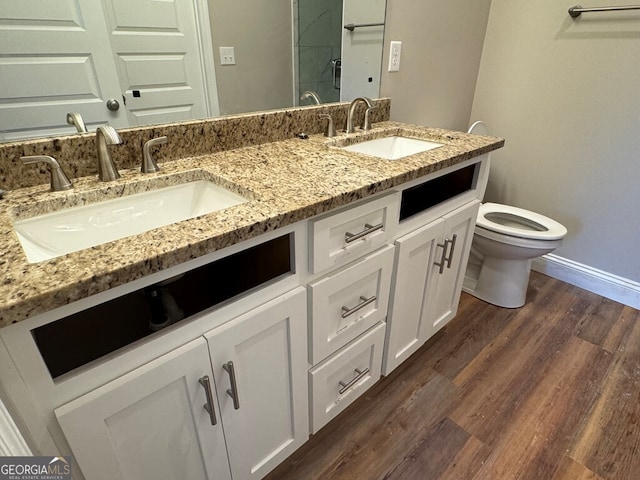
74	64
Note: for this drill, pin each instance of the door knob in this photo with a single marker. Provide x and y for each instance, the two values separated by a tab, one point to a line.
112	104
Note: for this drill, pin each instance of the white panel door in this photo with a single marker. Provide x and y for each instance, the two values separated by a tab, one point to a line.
155	44
362	49
54	58
415	253
150	423
268	348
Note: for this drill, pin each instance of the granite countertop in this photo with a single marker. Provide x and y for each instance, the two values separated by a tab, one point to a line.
285	182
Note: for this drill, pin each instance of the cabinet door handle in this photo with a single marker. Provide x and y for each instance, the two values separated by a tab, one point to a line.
346	311
453	246
346	386
352	237
233	391
206	384
443	258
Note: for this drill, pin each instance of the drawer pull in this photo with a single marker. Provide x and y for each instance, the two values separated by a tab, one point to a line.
352	237
359	375
233	391
453	245
443	259
206	384
346	311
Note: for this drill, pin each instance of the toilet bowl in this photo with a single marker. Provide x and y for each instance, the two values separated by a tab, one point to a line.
505	241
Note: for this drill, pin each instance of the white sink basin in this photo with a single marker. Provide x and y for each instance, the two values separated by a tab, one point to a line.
53	234
393	148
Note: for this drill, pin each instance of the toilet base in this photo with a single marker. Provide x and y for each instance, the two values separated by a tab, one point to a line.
499	281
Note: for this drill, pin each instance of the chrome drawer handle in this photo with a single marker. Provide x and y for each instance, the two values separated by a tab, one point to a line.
206	384
346	311
453	246
352	237
233	391
359	375
443	258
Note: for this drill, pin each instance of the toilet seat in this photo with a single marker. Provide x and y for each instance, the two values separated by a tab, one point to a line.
518	222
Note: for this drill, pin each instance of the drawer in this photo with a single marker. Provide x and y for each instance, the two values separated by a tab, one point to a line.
349	301
344	376
341	237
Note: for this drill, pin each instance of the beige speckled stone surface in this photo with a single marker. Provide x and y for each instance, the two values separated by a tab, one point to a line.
77	153
285	181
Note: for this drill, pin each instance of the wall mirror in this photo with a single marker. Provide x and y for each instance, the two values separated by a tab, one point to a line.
141	62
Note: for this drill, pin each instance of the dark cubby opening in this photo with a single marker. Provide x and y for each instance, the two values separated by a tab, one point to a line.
78	339
428	194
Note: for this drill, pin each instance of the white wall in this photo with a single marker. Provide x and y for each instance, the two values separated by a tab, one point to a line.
565	94
261	33
441	47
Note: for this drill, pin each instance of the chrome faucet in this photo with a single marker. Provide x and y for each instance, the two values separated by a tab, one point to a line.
352	108
312	95
76	119
59	179
105	136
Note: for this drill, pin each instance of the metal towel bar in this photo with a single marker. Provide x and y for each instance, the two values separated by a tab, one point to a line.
352	26
578	9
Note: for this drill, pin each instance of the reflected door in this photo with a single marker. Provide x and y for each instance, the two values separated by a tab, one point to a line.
319	44
54	58
157	55
362	49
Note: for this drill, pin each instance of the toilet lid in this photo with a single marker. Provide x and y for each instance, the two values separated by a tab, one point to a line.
518	222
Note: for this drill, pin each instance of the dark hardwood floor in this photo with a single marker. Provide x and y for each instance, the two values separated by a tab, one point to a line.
547	391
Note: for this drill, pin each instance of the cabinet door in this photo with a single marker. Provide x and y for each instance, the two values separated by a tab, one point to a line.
443	295
270	417
415	253
150	423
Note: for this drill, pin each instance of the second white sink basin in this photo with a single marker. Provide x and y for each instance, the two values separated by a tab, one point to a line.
54	234
393	148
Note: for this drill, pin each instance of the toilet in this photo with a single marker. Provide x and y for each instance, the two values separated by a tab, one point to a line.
505	241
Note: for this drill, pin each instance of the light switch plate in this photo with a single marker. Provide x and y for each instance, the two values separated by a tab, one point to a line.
394	56
227	56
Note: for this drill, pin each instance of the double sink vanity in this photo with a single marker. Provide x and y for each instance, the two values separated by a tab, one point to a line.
202	321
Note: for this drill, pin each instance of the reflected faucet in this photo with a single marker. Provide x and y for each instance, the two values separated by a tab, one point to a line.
352	108
76	119
312	95
105	136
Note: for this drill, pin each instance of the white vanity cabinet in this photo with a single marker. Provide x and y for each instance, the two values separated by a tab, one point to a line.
175	417
348	305
429	270
150	423
260	369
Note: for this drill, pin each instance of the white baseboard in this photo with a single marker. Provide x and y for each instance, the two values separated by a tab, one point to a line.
611	286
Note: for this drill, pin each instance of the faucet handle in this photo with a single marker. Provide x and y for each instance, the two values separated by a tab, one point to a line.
75	119
149	164
366	125
59	179
331	130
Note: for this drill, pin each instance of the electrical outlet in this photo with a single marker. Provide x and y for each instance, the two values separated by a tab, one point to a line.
394	56
227	56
